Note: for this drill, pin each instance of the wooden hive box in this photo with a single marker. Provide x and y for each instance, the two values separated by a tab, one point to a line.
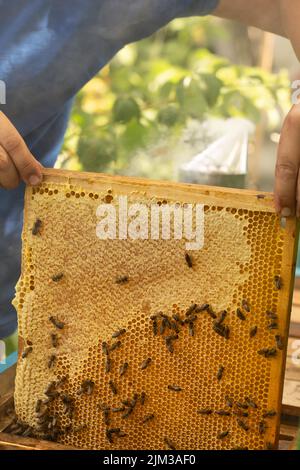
96	287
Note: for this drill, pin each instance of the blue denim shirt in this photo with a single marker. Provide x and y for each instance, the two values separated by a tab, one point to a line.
48	50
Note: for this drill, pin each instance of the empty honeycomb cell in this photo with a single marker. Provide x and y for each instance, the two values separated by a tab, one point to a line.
244	248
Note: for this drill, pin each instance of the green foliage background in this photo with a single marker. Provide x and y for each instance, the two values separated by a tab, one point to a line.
153	88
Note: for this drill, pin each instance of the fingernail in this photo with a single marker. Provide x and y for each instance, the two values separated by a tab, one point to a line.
34	180
286	212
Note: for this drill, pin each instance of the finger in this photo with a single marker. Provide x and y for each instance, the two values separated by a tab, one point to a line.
287	166
27	166
298	197
9	177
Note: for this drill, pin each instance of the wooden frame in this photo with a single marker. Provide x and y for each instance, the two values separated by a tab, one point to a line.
251	200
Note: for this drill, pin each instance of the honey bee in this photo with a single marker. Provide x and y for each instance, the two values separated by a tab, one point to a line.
109	436
278	282
42	416
221	330
122	279
190	319
250	403
57	277
105	348
221	318
243	425
50	388
119	409
123	368
61	381
170	346
229	401
174	326
68	403
211	312
273	326
87	387
190	310
253	331
154	316
118	333
241	413
165	319
54	340
267	352
240	314
27	351
107	364
244	406
260	196
36	229
103	407
174	388
113	387
146	363
51	361
115	346
269	414
226	332
220	373
169	444
114	430
171	337
127	413
143	398
223	413
176	317
271	315
245	305
126	402
38	406
201	308
223	434
188	260
205	411
58	324
279	342
191	329
163	326
27	432
148	418
80	428
134	400
106	417
155	326
262	427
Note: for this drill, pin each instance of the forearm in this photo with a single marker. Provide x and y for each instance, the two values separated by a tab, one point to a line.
290	17
264	14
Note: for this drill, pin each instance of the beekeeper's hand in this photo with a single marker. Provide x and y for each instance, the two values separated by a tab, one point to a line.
16	162
287	178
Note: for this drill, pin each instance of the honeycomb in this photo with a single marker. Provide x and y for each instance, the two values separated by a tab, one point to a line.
77	294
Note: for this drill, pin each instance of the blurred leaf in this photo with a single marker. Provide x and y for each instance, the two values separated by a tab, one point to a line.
96	151
125	109
169	115
191	98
